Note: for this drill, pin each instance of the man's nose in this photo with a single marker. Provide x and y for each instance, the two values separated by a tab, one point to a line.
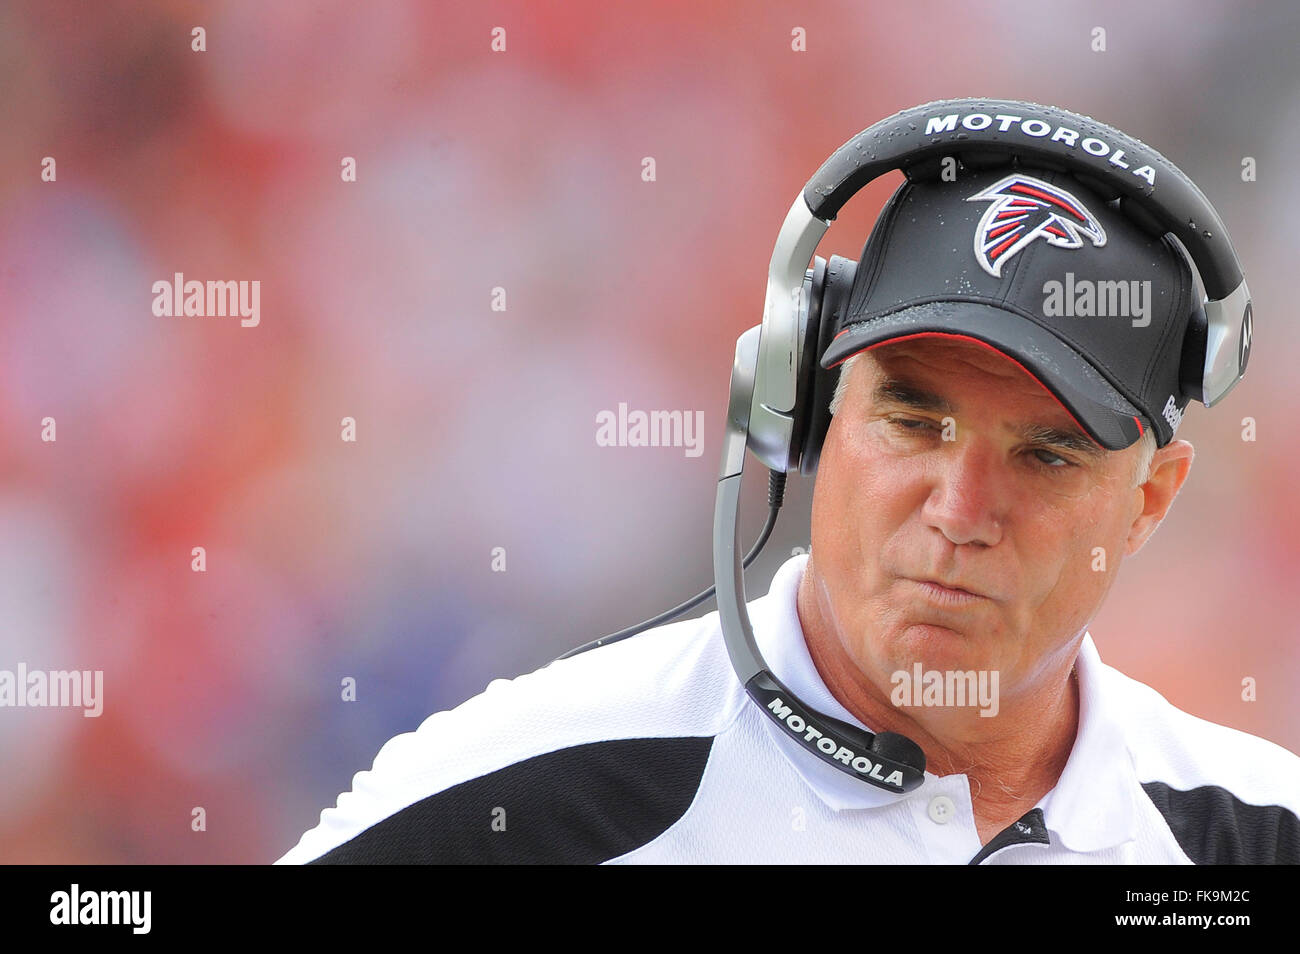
971	493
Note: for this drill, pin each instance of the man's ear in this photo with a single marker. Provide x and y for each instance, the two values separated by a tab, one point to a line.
1169	467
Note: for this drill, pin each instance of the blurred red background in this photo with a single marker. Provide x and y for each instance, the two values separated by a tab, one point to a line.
521	170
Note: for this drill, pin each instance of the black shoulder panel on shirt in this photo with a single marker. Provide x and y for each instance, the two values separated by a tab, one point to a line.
580	805
1214	827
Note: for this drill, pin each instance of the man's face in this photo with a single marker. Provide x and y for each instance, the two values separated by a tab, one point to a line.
1035	524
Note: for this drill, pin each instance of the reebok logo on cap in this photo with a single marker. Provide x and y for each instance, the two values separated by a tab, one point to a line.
1024	209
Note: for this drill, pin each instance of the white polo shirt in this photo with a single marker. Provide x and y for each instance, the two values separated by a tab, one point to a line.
650	751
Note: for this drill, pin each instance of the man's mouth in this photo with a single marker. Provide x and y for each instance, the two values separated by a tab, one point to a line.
947	594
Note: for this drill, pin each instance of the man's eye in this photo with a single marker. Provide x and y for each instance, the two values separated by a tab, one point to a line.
910	424
1043	457
1057	462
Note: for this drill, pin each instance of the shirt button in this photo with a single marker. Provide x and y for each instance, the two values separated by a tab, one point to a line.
941	809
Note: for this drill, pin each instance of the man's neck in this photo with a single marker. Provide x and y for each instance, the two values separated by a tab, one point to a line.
1010	764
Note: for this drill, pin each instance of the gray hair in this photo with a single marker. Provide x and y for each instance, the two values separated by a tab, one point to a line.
1146	444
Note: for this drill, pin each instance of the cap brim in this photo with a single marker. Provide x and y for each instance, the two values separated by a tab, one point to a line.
1091	401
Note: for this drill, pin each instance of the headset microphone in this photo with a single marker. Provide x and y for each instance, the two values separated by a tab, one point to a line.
887	759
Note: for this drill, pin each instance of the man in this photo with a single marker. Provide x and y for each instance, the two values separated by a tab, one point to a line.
966	527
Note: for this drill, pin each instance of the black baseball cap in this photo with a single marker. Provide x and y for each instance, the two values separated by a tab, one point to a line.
1033	262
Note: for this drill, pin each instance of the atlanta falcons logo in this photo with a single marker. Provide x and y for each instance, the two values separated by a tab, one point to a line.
1024	209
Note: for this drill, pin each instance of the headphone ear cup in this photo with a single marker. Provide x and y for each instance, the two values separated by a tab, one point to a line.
1191	376
816	410
809	325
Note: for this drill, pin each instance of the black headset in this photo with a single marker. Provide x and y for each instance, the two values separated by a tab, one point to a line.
779	406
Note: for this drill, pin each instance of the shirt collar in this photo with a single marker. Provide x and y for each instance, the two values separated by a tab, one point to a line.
1091	806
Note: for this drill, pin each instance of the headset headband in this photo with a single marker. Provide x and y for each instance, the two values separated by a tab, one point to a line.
1051	136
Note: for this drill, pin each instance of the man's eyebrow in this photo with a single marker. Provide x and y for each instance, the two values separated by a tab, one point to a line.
1070	439
895	391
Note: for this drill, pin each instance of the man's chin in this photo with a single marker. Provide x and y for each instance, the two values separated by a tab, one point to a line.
935	646
920	663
